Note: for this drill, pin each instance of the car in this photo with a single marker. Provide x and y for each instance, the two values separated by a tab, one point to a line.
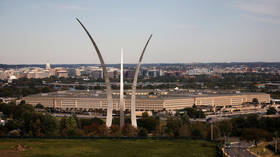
227	145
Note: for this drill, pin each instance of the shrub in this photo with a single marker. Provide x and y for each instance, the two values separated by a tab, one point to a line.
184	131
142	132
129	130
115	130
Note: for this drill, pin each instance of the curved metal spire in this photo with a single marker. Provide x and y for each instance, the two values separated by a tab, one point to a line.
107	80
133	95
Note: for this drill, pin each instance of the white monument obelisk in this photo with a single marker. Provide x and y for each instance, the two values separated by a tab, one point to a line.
121	93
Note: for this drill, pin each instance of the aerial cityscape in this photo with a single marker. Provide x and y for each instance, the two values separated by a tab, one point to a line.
180	78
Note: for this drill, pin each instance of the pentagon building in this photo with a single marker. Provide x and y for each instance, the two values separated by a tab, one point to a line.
147	100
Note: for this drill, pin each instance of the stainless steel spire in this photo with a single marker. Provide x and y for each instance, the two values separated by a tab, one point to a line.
133	95
107	80
121	93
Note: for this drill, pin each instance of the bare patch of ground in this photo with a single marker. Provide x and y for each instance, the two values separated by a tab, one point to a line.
9	153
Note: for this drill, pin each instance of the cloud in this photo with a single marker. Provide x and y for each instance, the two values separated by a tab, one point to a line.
60	7
262	19
124	19
186	26
72	7
260	10
260	7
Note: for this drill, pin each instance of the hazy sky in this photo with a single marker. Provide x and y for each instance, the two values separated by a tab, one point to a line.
185	31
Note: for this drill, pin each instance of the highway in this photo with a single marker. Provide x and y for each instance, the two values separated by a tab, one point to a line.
239	149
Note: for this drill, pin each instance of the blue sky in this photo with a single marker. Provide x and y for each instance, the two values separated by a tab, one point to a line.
185	31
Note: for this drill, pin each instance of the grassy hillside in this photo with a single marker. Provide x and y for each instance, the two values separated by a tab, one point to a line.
107	148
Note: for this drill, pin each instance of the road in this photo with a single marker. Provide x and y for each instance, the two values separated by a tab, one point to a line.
239	149
78	115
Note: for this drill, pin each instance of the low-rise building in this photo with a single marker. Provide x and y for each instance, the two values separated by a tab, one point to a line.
145	100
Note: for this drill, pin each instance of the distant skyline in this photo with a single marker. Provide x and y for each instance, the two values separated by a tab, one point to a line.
184	31
44	64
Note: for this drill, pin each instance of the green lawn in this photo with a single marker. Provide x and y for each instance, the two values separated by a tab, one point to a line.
111	148
263	151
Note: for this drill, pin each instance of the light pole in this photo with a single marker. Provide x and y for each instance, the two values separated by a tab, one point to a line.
211	121
212	131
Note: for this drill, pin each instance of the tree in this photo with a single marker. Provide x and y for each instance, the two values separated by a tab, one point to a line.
196	133
173	125
22	102
185	131
86	122
77	120
159	131
68	125
194	106
28	121
91	130
185	120
256	135
271	111
255	101
225	127
194	112
200	130
13	125
149	123
142	132
39	106
103	130
115	130
8	109
145	115
90	127
129	130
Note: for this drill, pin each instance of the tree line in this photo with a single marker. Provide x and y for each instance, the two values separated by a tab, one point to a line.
23	120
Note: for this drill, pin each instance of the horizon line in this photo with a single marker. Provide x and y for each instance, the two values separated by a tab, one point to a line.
143	63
